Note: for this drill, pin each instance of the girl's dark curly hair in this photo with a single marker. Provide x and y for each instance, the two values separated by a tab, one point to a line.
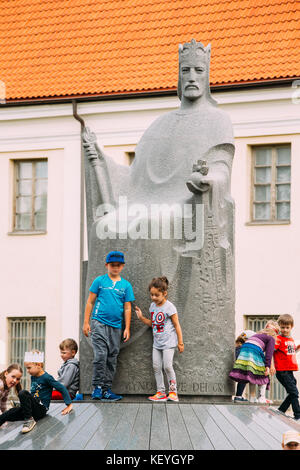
160	283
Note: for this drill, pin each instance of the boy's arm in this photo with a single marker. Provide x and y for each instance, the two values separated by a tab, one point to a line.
127	318
87	313
67	376
177	327
62	389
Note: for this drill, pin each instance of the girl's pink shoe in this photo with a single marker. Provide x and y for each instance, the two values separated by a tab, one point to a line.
159	396
173	396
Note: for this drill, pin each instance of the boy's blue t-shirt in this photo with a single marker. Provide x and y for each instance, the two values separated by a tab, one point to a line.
111	296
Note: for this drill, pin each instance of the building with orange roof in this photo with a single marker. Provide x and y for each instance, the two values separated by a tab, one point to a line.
114	64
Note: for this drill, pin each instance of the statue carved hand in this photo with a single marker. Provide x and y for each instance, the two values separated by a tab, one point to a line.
199	182
90	145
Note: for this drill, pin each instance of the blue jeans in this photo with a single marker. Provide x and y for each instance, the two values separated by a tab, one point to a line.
287	379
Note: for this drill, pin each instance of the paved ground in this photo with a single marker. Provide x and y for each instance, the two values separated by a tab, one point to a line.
154	426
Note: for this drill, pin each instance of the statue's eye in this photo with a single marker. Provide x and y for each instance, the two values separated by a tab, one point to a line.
199	69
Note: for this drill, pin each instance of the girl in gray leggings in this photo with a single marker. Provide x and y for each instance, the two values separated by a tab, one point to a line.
167	335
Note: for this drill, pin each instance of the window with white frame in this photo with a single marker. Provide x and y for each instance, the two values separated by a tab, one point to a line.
30	203
271	183
25	334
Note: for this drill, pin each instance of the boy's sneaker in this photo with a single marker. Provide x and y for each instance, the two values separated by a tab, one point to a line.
28	425
108	395
173	396
159	396
97	393
278	412
78	397
240	399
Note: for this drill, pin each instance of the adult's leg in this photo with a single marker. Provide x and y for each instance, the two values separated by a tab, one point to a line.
113	344
157	360
100	348
168	355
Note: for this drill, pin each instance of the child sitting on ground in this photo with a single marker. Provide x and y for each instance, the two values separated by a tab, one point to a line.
35	404
9	378
68	374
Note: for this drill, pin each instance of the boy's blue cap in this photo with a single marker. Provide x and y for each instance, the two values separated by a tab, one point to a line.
115	257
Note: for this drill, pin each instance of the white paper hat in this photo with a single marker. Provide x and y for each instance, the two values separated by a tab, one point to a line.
34	357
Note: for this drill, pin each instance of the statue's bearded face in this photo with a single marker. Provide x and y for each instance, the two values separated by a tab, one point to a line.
193	76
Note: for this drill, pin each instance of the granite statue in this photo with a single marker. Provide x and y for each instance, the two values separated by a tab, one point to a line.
172	214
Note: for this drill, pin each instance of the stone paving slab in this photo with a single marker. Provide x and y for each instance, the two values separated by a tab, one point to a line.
152	426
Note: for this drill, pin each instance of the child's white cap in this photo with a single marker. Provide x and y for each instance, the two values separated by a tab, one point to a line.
34	357
247	334
291	436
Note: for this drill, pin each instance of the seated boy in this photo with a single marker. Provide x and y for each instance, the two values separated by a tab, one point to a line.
68	374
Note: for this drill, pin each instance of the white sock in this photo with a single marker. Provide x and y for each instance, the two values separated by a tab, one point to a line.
262	391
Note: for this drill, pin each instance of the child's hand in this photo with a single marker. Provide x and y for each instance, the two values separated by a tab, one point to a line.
272	370
180	347
138	312
67	410
126	335
86	329
267	371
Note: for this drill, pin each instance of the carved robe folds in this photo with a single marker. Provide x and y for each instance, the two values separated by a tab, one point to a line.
200	270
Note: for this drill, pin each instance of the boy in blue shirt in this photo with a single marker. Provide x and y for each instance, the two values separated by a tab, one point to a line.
110	298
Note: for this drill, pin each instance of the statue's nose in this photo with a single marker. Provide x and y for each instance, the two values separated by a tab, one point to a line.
192	76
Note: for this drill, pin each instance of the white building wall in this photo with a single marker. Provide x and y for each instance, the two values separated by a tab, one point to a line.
267	266
40	273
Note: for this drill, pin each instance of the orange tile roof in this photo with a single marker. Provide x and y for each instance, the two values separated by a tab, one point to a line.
61	48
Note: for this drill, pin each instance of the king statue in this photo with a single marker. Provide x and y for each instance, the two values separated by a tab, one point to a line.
172	214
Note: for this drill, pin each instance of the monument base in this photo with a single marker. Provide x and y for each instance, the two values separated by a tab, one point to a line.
200	399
